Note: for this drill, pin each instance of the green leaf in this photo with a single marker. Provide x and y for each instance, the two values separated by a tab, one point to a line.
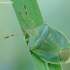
54	67
49	44
33	13
39	63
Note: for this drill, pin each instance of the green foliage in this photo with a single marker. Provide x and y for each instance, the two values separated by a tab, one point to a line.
32	10
46	44
54	67
39	64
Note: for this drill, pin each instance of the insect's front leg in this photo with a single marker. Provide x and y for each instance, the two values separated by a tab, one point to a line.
23	18
25	34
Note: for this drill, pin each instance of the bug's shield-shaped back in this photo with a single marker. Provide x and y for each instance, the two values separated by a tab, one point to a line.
49	44
38	36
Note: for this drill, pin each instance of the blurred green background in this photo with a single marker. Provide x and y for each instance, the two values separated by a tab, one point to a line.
14	53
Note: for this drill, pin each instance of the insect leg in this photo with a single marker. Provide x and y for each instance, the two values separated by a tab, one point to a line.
25	33
32	21
22	16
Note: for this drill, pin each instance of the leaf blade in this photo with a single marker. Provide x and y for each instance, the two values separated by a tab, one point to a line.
32	10
54	66
39	64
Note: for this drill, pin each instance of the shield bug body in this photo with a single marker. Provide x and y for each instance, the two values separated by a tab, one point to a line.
49	44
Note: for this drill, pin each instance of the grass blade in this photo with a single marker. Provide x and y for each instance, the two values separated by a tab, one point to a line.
31	8
40	65
54	66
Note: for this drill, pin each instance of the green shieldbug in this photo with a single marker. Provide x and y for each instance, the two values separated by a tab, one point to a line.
47	43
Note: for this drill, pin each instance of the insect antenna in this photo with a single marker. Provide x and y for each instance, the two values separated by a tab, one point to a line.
24	32
11	35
